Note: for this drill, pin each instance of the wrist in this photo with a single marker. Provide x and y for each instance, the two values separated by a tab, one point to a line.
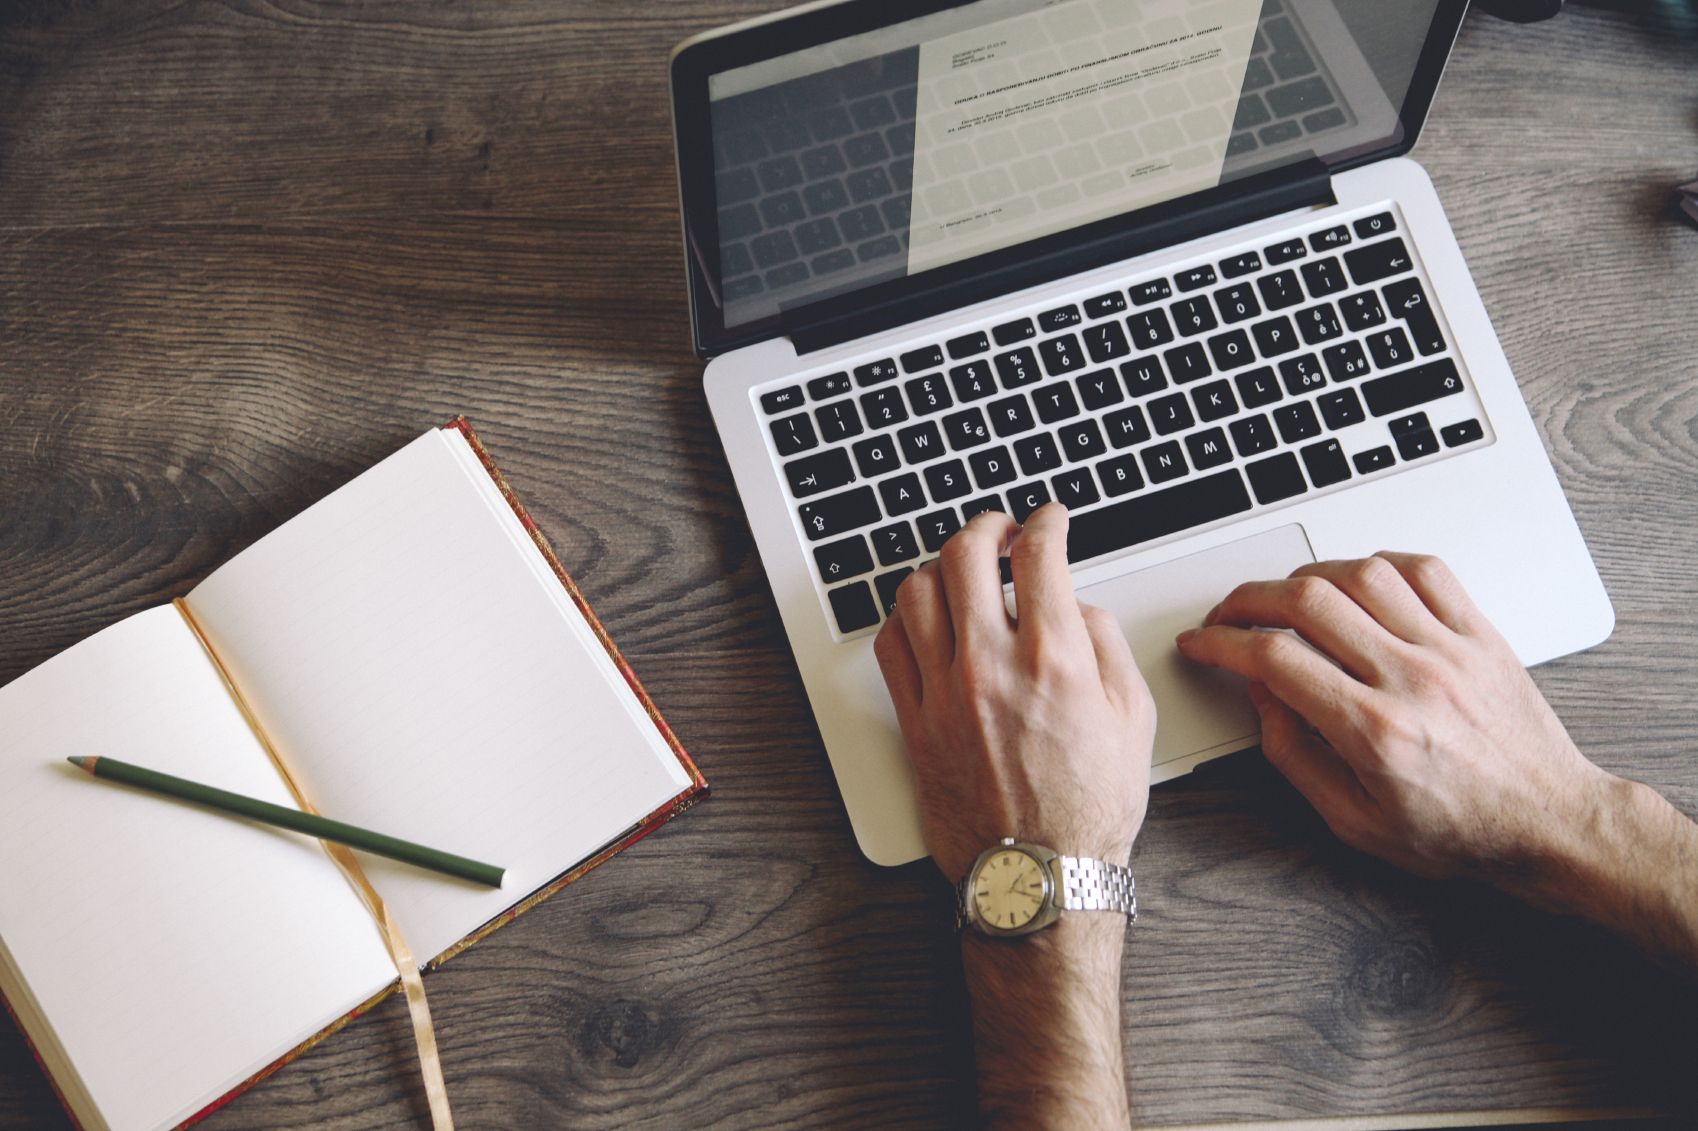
1585	861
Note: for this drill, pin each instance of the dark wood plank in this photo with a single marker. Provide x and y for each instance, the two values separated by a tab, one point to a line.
246	249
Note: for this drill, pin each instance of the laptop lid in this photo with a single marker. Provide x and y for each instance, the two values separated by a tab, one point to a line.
850	166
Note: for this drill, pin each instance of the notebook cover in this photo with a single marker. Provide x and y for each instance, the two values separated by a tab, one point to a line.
697	790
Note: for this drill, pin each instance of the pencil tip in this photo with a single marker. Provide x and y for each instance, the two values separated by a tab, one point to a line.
82	763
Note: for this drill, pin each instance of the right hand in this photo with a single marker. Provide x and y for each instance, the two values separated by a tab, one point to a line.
1424	741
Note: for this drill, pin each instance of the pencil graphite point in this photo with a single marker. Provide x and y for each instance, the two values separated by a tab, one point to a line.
83	763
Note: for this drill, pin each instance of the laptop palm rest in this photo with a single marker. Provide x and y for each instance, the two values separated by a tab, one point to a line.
1201	712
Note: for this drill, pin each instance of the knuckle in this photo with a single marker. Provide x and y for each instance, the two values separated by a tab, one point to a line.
1312	596
1430	571
1371	573
959	548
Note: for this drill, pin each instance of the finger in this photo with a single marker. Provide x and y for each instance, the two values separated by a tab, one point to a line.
972	579
897	664
1377	586
1440	590
925	617
1291	669
1119	670
1043	587
1317	772
1318	611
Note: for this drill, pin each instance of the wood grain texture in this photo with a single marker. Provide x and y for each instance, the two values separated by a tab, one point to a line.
248	248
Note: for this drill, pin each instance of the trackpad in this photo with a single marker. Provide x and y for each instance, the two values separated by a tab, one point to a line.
1198	709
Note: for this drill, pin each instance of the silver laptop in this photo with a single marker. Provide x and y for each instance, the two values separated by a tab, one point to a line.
1163	262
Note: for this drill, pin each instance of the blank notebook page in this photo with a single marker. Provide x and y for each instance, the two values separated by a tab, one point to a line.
417	663
173	952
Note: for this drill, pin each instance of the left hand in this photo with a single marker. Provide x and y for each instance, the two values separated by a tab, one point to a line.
1039	728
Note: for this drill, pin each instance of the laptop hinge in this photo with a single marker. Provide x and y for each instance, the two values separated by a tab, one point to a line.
1305	185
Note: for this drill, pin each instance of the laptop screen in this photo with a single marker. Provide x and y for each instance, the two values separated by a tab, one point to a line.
887	153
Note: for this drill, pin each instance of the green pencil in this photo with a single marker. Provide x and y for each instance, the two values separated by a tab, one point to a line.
311	824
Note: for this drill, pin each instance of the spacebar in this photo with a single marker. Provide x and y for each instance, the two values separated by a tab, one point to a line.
1144	518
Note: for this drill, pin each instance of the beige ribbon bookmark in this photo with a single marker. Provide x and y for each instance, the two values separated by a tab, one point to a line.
424	1033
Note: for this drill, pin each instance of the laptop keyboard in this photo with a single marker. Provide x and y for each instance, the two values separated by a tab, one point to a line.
1224	388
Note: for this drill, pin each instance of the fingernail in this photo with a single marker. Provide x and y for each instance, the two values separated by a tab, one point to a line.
1184	638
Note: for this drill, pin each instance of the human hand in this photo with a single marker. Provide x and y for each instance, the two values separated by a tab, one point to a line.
1428	744
1039	728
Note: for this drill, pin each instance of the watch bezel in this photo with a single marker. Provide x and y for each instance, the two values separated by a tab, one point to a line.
1047	911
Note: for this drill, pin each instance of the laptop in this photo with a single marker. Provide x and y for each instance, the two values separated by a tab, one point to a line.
1163	262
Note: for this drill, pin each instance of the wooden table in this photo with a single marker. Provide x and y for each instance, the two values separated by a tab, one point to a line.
249	248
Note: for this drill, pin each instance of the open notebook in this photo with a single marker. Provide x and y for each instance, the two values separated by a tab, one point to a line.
424	668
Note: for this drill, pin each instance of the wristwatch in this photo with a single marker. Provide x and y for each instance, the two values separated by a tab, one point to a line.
1015	889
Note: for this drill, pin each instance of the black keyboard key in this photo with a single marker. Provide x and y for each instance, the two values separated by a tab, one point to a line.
1390	348
992	467
1414	422
1462	432
948	481
1149	329
1126	427
839	561
1195	277
1318	324
1022	501
1208	449
887	584
929	394
877	455
1061	355
967	345
1018	367
1194	316
780	399
935	528
1075	488
973	380
854	607
1372	227
1143	376
921	442
1276	478
1016	331
1240	265
1171	414
1037	454
1237	303
1011	416
1285	252
875	371
1231	350
1099	389
831	385
1214	401
1104	305
792	434
927	357
895	544
1323	277
884	407
1187	362
1297	422
1120	475
1106	341
1257	387
1377	261
966	429
1415	443
972	508
1374	459
826	471
1082	440
1164	462
1302	374
1326	463
1253	435
1061	318
1144	518
1329	239
838	421
1361	311
1280	290
1345	361
1153	291
902	495
1275	336
1341	409
1055	401
1409	302
837	514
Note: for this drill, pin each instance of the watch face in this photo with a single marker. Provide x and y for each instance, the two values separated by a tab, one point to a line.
1008	889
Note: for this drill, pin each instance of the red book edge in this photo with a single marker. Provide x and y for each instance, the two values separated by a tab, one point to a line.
697	790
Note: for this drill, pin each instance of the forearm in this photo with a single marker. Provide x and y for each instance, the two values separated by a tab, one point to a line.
1046	1025
1629	862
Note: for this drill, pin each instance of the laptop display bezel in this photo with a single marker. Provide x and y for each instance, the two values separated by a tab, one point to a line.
1021	265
